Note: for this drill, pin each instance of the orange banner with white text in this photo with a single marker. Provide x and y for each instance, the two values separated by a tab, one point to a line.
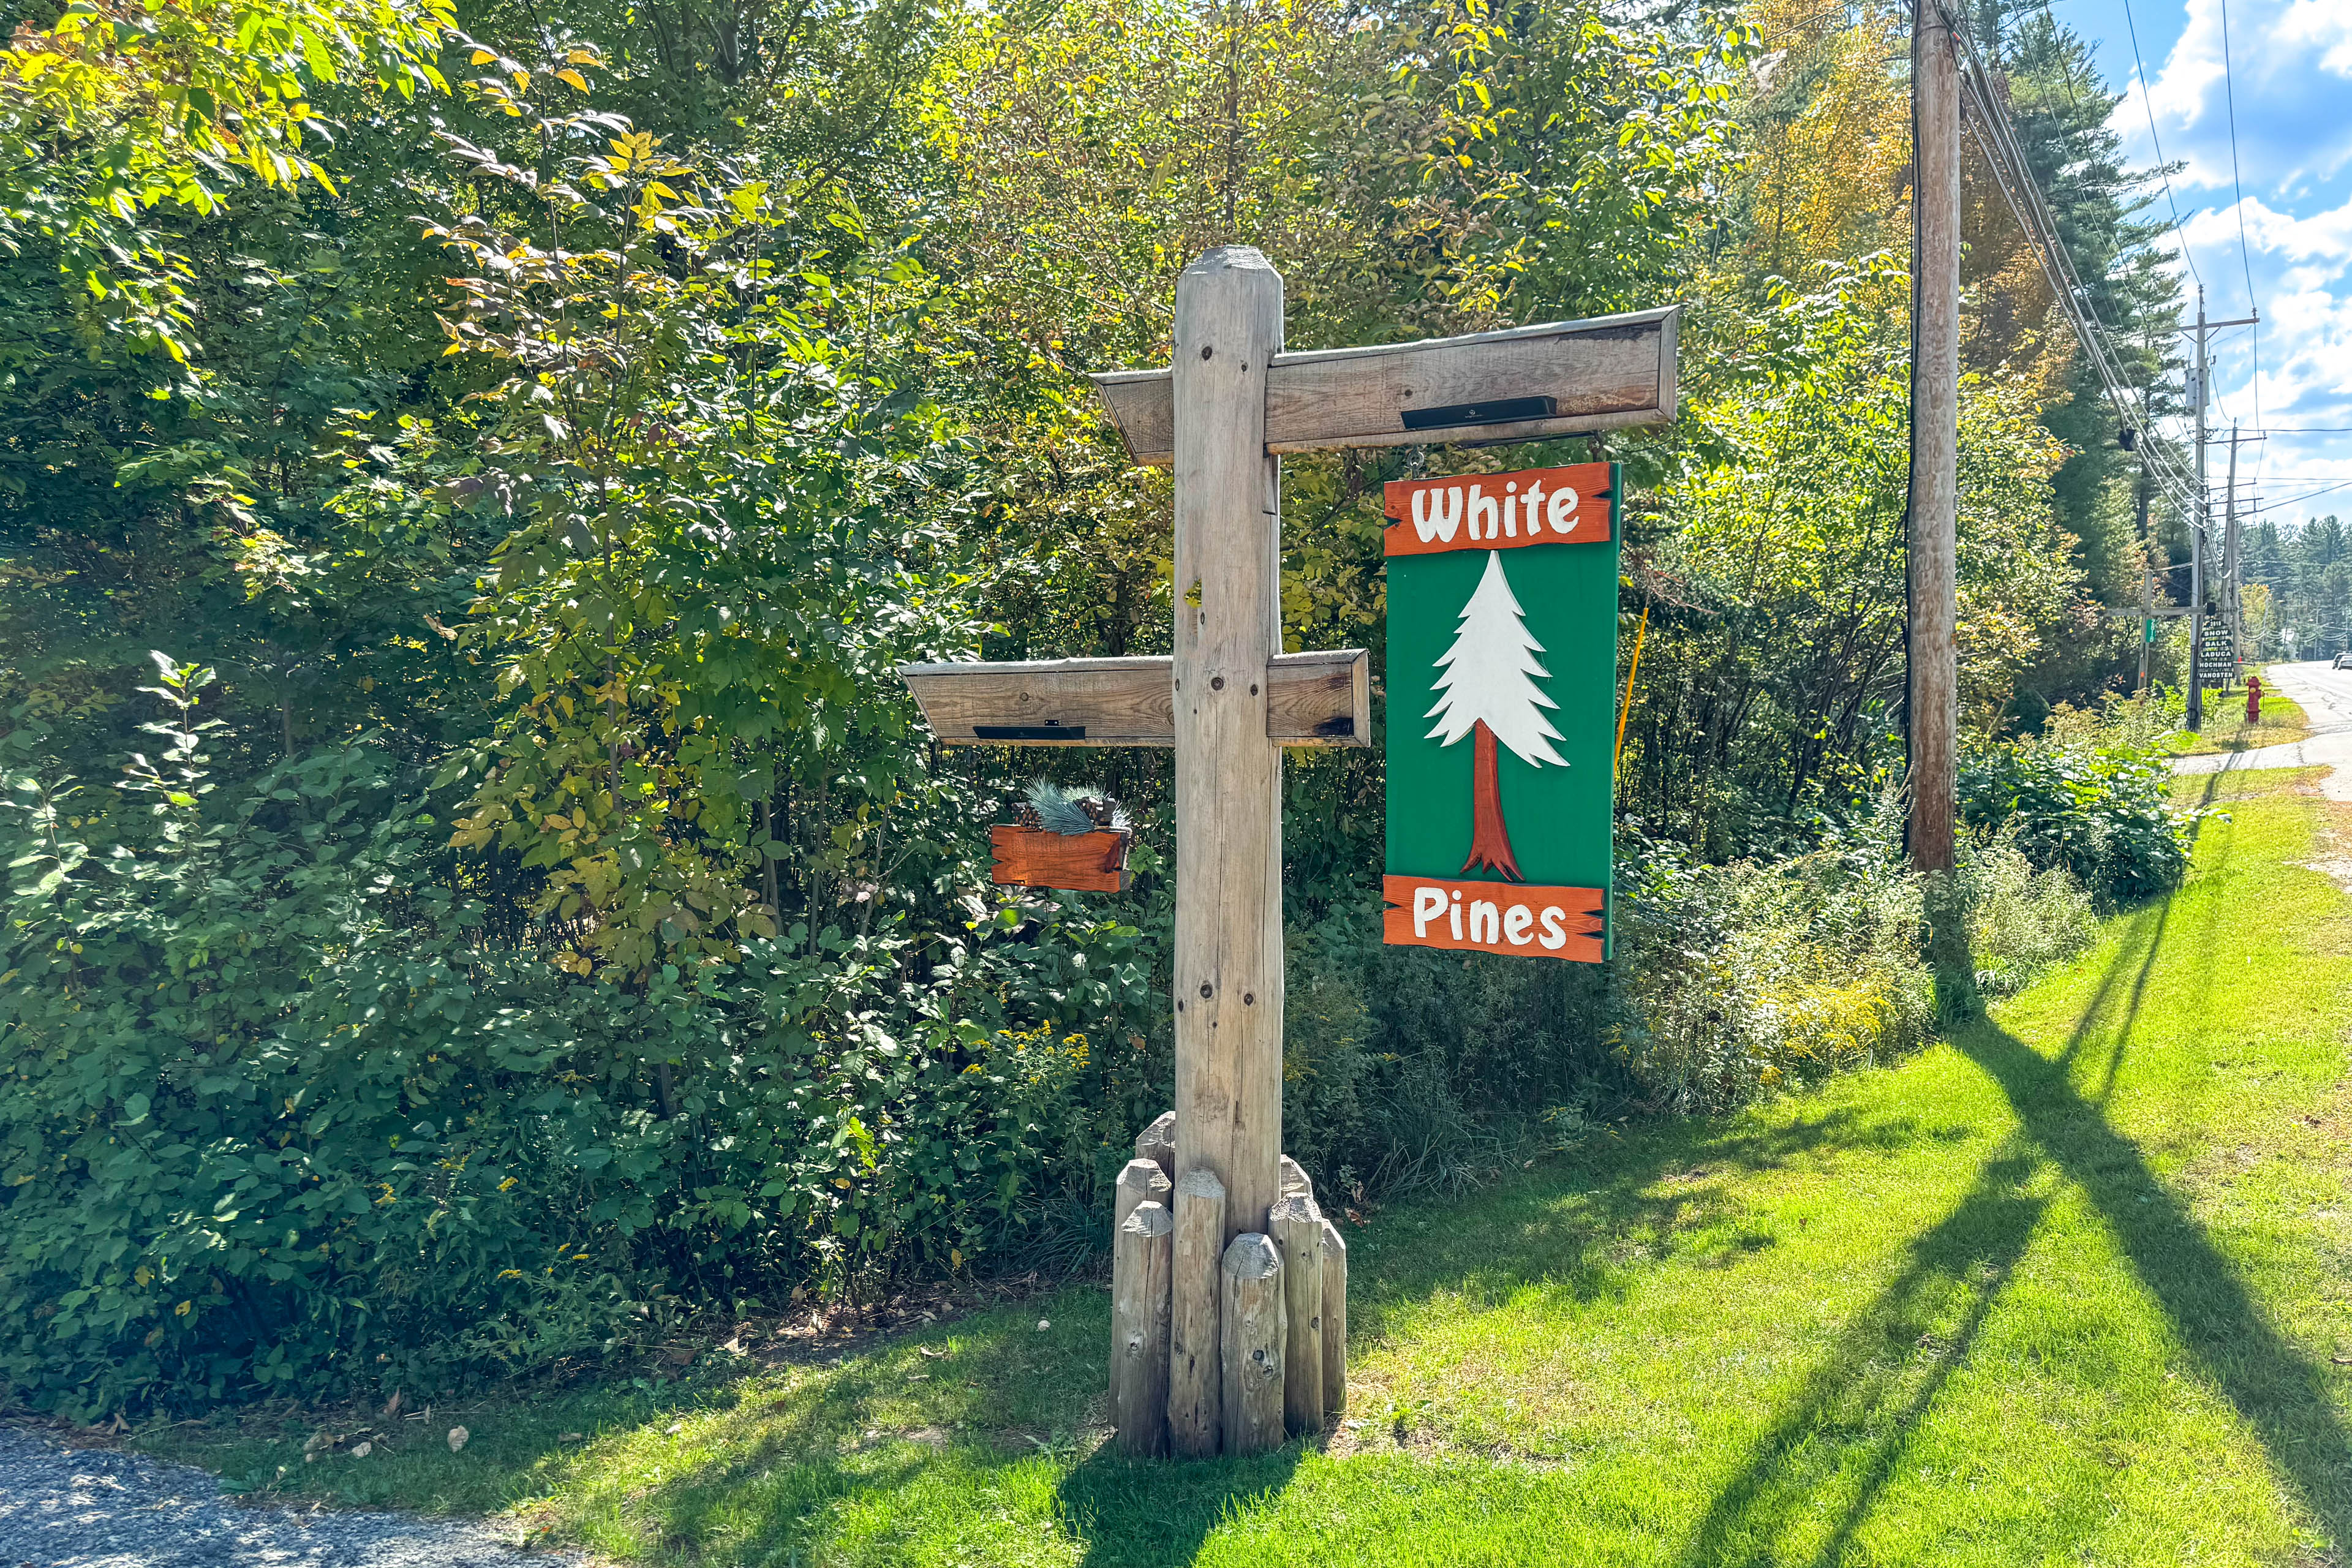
1495	512
1495	917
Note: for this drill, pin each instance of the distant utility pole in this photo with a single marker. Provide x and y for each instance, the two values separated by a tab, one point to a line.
2233	612
2196	716
2146	575
2201	528
1932	699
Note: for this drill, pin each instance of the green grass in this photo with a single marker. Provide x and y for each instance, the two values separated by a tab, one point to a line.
2069	1288
2284	721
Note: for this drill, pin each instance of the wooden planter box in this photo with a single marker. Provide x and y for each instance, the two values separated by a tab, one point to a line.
1081	862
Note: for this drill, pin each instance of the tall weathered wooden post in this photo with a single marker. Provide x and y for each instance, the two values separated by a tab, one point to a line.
1238	1371
1228	960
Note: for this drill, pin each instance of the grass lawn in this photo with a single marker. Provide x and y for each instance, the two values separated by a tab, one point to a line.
2075	1287
2284	722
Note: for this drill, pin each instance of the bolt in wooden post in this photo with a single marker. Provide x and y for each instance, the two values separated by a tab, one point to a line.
1297	1226
1140	1266
1251	1344
1141	1181
1228	594
1195	1378
1157	1142
1335	1321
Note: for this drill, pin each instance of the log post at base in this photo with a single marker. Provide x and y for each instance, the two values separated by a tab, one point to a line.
1142	1181
1335	1321
1139	1329
1157	1142
1292	1177
1250	1345
1196	1375
1228	614
1297	1226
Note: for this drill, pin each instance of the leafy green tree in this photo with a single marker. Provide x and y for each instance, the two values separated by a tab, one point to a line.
106	113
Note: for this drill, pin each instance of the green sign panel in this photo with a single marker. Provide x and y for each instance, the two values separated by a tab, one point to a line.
1502	695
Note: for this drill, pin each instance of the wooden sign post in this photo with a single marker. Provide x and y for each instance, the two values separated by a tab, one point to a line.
1228	702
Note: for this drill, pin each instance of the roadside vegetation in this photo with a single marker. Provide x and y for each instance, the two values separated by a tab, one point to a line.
482	906
2282	722
1989	1304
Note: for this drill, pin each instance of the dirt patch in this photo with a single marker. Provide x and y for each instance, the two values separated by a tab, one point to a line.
2335	837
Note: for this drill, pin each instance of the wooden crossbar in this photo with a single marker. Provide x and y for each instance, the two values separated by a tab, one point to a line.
1557	379
1313	699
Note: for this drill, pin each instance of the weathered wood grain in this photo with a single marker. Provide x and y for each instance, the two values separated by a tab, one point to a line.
1606	373
1251	1344
1140	1262
1297	1226
1932	555
1227	957
1294	1183
1141	1180
1312	700
1195	1374
1157	1142
1335	1321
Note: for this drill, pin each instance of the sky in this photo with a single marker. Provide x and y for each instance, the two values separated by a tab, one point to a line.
2282	218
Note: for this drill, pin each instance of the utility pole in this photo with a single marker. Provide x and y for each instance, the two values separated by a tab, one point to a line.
2200	526
2196	717
2232	613
1932	701
2139	446
2146	575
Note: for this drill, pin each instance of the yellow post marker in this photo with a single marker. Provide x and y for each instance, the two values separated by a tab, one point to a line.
1632	670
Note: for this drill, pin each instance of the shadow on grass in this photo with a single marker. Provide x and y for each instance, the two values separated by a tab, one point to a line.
1586	1225
1860	1410
1850	1425
1148	1513
2276	1389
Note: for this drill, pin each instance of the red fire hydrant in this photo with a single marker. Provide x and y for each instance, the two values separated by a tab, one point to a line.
2254	700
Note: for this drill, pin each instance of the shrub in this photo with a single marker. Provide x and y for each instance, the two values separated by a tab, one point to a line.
278	1119
280	1116
2020	921
1407	1069
1749	978
2099	808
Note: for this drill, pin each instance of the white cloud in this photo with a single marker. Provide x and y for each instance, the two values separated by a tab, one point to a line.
2322	25
2302	268
2289	61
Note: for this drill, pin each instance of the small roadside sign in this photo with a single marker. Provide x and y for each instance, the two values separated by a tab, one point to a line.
1502	676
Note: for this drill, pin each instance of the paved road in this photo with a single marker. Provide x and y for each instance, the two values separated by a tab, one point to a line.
2326	694
93	1507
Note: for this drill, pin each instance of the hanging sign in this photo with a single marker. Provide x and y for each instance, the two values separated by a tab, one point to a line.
2217	655
1502	675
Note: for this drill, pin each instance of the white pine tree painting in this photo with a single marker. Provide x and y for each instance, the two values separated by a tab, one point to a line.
1487	689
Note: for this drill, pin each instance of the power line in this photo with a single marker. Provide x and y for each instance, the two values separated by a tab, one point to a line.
2245	257
2289	501
1996	138
2162	169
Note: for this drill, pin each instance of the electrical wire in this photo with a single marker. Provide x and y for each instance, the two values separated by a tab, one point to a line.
1996	138
2292	501
2163	171
2245	257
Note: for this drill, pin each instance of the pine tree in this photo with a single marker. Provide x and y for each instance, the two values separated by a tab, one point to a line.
1487	689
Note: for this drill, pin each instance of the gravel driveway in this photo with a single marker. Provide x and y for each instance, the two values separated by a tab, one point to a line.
93	1507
